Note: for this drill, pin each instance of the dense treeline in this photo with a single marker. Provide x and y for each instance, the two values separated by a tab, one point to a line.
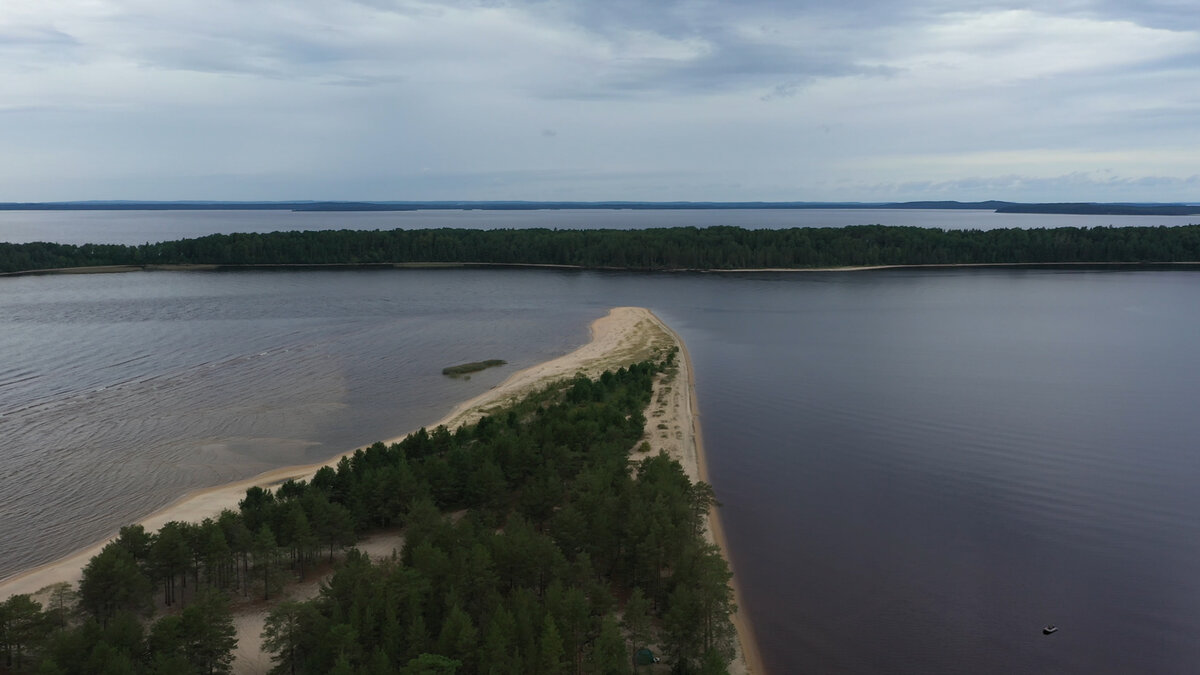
560	556
1094	209
652	249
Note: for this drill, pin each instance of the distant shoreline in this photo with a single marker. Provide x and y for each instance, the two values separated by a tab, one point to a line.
188	267
340	206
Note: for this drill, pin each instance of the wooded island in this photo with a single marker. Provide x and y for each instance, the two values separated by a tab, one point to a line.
675	248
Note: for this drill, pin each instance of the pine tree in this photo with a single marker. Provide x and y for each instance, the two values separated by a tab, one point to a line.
21	627
458	637
265	554
637	621
112	581
551	659
608	652
208	634
499	655
284	637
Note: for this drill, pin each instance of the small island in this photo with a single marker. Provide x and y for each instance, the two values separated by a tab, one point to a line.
474	367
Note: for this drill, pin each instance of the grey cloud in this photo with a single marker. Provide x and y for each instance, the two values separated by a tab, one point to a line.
609	87
792	88
32	47
274	55
1167	14
728	63
844	48
729	60
35	35
688	17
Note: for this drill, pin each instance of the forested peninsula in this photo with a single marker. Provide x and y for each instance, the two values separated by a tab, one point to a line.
676	248
533	544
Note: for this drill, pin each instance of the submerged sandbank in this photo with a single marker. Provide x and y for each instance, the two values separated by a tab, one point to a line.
624	336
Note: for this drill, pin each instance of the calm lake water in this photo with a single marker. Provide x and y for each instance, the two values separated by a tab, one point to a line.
919	468
139	227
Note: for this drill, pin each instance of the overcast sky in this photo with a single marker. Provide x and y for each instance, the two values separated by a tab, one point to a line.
810	100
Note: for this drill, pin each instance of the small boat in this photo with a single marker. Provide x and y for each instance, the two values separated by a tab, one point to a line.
1049	629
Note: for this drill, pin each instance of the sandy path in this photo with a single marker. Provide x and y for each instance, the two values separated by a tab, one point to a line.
249	619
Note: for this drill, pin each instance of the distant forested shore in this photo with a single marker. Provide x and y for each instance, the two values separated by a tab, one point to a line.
1085	208
676	248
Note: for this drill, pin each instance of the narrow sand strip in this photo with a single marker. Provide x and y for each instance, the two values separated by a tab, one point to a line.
673	427
626	335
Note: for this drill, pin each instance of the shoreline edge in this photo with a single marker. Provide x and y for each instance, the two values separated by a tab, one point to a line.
748	655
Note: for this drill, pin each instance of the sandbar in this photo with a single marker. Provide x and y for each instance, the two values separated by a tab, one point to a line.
673	427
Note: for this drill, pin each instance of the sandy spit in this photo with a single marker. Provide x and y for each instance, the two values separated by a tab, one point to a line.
625	335
617	339
673	427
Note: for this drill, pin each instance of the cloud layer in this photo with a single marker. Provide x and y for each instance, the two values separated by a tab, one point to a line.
704	100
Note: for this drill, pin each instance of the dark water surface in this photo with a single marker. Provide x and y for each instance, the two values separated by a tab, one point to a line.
140	227
919	468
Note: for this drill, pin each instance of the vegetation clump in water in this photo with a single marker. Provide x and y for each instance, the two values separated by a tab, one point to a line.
473	367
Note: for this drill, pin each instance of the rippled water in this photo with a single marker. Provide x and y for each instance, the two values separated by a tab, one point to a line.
919	468
120	392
